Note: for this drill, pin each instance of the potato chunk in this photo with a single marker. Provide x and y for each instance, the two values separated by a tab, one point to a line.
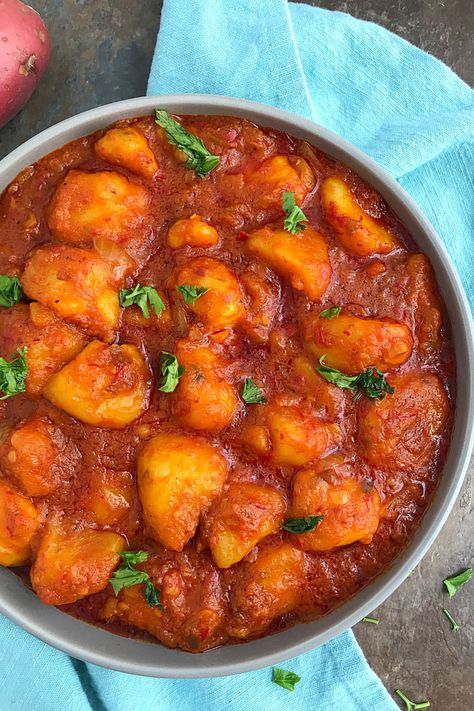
87	206
104	386
266	589
301	259
127	147
243	515
77	285
178	477
400	432
352	344
281	174
358	233
423	297
50	342
18	524
290	435
223	305
203	400
264	295
192	232
327	399
73	564
39	456
106	496
350	512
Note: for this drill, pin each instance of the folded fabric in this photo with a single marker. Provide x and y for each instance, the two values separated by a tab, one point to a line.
412	115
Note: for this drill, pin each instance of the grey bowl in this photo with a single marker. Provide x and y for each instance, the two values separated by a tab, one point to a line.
94	645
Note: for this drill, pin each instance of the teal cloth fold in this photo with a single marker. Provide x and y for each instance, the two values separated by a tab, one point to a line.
413	116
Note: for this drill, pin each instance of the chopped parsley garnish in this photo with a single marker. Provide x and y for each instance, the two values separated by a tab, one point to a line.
295	216
411	705
454	624
13	374
191	293
10	290
284	678
171	371
371	620
126	575
457	581
371	382
142	295
302	525
332	312
199	158
252	394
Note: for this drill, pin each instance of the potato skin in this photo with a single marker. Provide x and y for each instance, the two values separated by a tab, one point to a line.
280	174
127	147
178	478
223	305
192	232
359	234
18	524
352	344
301	259
266	589
350	513
104	386
39	456
243	515
77	284
71	564
400	432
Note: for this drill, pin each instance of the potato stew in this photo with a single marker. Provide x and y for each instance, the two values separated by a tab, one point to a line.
226	380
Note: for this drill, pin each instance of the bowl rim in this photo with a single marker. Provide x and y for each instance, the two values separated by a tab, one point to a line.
92	644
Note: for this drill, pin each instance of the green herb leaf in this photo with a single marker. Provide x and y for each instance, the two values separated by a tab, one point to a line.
454	624
152	596
141	295
125	576
411	705
191	293
134	557
371	620
13	374
295	216
252	394
10	290
371	382
457	581
284	678
171	371
302	525
200	160
331	313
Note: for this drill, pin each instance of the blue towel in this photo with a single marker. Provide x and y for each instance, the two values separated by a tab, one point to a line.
411	114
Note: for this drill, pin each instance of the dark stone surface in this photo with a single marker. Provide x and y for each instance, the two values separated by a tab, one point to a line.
102	51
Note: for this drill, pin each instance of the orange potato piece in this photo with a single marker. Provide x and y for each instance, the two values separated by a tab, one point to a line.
104	386
352	344
291	435
39	456
178	478
127	147
350	513
87	206
359	234
241	517
18	524
400	432
301	259
264	296
50	342
422	294
73	564
280	174
77	284
266	589
223	304
106	496
203	400
323	395
192	232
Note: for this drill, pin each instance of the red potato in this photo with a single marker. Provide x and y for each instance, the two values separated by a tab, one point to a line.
24	54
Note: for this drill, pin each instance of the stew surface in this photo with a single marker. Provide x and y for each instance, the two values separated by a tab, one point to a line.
261	430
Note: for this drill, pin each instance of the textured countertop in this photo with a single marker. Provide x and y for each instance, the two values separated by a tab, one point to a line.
101	53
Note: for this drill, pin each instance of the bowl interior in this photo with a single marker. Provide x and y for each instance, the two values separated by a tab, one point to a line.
100	647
